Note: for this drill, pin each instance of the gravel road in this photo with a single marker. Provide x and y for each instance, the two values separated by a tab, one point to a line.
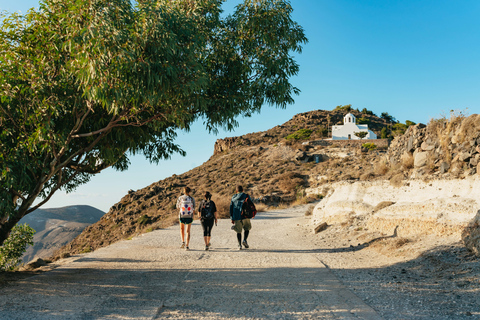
280	276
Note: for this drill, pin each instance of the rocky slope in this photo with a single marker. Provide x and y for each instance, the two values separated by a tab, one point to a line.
433	187
273	169
276	171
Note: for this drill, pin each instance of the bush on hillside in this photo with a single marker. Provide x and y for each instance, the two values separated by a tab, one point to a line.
363	121
15	246
369	146
302	134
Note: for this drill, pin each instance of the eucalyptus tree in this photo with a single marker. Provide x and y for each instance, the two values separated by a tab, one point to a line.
84	84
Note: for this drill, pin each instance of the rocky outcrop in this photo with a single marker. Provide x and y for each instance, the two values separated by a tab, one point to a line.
222	145
441	162
471	235
446	148
441	207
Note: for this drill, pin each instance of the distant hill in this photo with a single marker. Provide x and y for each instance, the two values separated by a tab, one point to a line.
57	227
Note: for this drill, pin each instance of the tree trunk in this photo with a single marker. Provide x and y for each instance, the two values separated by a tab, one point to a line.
7	226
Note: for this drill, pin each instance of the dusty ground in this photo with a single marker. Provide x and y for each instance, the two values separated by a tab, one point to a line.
288	273
425	277
150	277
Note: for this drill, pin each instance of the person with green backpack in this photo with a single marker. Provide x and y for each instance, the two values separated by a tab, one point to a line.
207	212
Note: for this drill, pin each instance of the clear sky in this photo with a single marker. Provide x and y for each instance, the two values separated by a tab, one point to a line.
416	60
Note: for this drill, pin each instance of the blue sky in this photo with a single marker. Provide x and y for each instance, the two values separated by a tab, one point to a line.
416	60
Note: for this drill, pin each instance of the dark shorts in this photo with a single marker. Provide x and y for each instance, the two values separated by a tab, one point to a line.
186	220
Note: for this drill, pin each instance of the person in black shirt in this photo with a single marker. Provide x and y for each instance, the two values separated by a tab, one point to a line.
207	212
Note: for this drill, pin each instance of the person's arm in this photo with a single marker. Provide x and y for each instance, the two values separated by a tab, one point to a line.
231	211
200	208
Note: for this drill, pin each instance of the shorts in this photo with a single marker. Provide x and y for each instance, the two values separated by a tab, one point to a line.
244	224
186	220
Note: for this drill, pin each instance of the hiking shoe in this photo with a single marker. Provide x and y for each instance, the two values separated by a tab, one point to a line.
183	245
245	244
206	248
187	248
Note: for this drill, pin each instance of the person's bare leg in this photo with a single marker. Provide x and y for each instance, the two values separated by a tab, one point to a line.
182	233
188	234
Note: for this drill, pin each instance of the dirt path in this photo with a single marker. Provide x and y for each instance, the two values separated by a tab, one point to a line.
149	277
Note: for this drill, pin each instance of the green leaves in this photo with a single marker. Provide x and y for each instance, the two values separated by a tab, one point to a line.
14	247
85	83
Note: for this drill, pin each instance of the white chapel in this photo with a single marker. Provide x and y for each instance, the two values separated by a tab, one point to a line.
348	129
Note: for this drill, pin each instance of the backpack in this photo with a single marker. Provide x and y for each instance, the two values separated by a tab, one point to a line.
248	208
186	207
208	210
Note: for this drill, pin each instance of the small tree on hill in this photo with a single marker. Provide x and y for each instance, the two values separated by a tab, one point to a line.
85	83
387	117
361	134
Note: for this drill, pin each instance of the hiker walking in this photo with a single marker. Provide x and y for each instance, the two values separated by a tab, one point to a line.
186	205
238	217
207	212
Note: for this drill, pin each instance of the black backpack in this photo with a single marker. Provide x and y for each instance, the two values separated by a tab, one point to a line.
208	208
248	208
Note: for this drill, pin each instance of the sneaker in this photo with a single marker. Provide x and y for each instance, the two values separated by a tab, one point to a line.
209	245
183	245
187	248
245	244
239	246
206	248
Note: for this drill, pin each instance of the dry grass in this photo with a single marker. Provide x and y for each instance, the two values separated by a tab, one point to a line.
381	168
290	181
407	161
223	206
261	207
397	180
367	176
309	211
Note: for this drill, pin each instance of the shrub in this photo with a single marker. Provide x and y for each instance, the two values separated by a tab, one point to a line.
363	121
309	211
369	146
301	134
381	168
144	220
366	111
290	181
407	160
361	134
347	107
14	247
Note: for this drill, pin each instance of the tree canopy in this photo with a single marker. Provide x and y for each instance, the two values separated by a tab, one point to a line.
86	83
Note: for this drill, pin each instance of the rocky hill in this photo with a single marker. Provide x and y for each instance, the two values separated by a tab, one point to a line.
278	168
431	186
275	171
56	227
